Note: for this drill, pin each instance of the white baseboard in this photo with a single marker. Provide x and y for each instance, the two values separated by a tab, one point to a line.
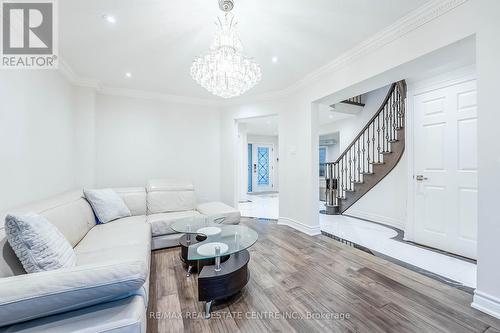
307	229
486	303
390	221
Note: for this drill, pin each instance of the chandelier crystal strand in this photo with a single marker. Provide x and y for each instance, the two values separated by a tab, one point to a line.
224	70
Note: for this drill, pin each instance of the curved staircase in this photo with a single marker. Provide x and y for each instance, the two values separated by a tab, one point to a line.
372	155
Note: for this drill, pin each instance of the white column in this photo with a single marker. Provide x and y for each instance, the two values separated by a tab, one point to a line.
487	294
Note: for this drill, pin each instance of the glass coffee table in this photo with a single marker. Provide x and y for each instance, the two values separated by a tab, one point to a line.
218	252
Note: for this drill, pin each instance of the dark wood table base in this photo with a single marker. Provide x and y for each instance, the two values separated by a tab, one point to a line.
212	284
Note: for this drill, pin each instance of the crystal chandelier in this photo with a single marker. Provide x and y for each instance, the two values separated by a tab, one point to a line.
224	70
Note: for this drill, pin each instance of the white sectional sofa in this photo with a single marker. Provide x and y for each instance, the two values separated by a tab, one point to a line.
107	291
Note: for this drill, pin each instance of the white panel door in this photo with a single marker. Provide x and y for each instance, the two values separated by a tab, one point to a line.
445	164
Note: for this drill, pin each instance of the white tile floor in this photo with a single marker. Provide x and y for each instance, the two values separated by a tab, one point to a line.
261	205
375	237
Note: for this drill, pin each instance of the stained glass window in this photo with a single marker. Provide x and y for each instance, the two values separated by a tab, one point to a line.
263	165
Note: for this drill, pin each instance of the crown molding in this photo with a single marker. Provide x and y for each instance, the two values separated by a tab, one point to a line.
68	72
133	93
74	78
408	23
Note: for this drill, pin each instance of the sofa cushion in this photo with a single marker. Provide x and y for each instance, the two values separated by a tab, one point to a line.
120	233
125	316
134	198
107	205
218	209
36	295
69	212
170	196
120	240
38	244
160	223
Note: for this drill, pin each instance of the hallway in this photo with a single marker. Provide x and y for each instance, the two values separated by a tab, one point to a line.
378	238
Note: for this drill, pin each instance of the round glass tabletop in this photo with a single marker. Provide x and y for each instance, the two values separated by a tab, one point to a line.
221	239
191	225
228	239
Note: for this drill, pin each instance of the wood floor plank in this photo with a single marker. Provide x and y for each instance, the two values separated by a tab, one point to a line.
296	278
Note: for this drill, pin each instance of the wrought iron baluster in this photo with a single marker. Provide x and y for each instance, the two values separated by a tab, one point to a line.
384	111
388	133
394	123
350	170
368	148
373	143
402	110
359	164
378	139
364	160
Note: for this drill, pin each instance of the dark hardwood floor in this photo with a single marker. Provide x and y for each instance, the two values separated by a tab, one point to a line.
311	284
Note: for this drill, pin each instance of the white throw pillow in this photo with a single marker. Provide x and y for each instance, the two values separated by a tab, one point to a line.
107	205
38	244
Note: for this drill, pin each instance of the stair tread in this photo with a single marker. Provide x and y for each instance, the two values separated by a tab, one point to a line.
377	163
385	152
367	173
394	140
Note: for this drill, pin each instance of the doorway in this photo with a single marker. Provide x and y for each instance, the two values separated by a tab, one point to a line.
258	166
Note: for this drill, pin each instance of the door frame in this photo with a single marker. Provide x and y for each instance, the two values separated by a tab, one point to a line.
271	163
458	76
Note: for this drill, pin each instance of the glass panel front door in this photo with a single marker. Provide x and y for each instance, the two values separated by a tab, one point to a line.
262	167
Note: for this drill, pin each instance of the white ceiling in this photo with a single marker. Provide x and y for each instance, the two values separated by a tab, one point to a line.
156	40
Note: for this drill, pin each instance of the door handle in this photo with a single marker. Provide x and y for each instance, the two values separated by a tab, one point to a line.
420	178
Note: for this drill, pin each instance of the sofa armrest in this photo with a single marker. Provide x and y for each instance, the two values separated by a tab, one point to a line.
30	296
219	212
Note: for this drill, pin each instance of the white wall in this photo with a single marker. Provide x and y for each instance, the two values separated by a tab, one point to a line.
332	152
36	136
243	161
487	294
141	139
84	100
386	202
350	127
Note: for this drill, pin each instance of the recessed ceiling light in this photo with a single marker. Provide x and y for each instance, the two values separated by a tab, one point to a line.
330	116
109	18
268	122
275	59
128	75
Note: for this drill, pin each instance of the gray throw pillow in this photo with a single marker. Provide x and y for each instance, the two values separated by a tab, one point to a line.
38	244
107	205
